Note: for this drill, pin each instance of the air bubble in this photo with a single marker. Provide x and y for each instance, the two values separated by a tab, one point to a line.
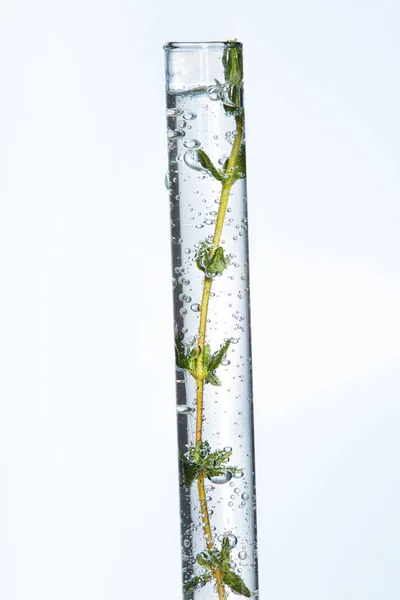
174	112
173	134
192	144
245	496
183	312
230	137
189	116
242	555
227	448
184	409
221	479
238	475
195	307
225	362
191	159
214	92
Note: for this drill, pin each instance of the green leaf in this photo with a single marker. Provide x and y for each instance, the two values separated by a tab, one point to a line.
213	379
206	356
183	458
236	583
190	473
191	364
194	461
225	555
197	582
218	262
200	452
241	159
239	171
202	256
232	61
180	356
218	356
216	472
207	164
220	457
205	560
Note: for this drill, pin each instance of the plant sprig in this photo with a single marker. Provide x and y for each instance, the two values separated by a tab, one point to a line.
200	462
205	368
218	560
200	458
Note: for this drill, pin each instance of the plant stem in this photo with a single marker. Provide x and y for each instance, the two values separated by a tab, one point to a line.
223	205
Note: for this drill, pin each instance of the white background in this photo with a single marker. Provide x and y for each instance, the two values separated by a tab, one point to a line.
88	474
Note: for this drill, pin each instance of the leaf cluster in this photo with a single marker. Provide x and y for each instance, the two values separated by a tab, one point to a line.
200	364
218	560
199	458
212	264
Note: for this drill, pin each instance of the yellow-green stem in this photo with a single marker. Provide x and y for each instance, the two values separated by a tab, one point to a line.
223	205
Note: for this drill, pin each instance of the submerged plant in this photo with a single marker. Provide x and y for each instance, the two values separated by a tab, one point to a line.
201	462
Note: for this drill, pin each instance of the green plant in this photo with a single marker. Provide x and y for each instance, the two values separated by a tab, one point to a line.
201	462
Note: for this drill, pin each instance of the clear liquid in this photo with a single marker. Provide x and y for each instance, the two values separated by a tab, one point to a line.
197	120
